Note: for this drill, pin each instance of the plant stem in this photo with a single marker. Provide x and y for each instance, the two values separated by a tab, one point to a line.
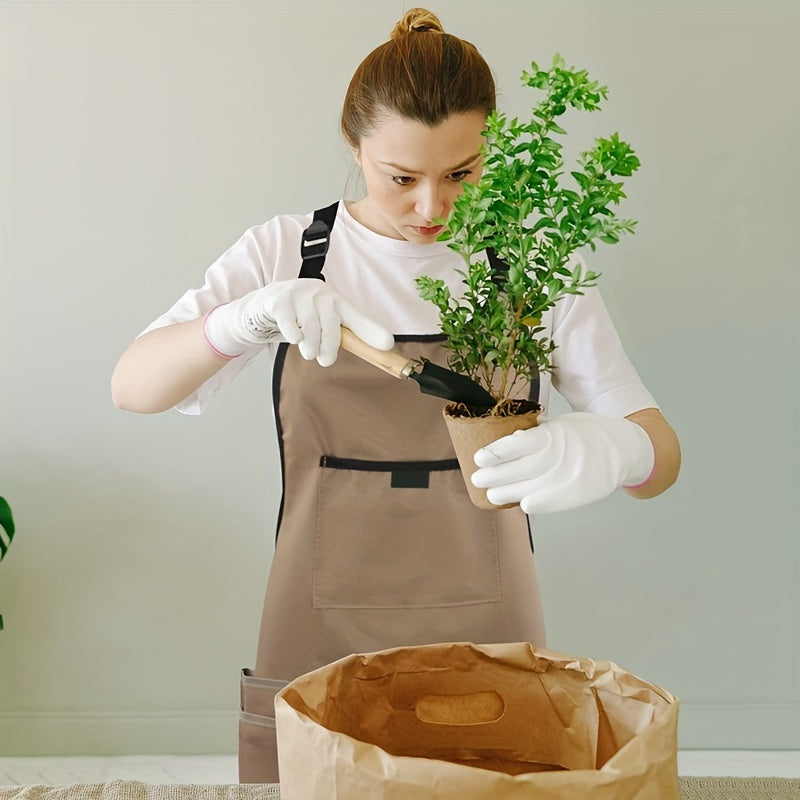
511	350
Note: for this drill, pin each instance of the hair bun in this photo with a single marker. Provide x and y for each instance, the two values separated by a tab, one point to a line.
417	20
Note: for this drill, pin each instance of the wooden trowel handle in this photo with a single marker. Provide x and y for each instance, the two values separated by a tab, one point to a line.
387	360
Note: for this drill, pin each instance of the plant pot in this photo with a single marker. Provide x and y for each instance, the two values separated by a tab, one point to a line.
470	434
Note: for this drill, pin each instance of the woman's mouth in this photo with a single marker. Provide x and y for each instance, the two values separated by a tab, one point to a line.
422	231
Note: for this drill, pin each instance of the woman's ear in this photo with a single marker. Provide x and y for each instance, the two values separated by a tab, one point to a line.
356	155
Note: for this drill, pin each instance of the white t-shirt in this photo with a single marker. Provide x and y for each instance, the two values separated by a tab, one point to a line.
376	274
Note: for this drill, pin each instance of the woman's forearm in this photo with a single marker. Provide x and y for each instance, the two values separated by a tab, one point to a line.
667	452
163	367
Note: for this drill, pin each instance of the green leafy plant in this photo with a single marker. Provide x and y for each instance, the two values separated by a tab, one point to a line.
535	217
6	533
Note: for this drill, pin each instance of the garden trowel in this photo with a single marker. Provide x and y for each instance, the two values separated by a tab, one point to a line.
432	378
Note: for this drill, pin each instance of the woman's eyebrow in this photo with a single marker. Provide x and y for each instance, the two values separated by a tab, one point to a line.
405	170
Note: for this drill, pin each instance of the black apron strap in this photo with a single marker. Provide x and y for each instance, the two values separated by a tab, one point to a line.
499	267
315	241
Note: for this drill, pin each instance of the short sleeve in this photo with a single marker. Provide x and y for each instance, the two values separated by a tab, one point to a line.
247	265
592	371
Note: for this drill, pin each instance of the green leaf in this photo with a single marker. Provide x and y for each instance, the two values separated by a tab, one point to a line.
544	222
580	179
7	525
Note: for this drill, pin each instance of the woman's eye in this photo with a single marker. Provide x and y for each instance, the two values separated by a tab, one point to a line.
456	177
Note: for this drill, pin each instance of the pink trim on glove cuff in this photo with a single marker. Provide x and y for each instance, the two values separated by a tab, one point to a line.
645	481
210	343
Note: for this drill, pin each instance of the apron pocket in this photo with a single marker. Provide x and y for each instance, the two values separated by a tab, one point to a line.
258	749
401	535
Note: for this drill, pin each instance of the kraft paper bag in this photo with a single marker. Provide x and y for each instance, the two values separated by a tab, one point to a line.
458	720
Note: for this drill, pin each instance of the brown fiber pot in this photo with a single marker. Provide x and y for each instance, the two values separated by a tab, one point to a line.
470	434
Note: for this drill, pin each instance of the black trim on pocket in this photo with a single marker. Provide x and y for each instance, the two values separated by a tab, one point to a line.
405	474
334	462
420	337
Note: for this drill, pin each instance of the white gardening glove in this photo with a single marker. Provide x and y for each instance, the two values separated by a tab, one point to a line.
564	463
302	311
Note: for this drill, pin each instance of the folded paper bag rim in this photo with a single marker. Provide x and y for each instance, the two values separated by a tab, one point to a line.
348	730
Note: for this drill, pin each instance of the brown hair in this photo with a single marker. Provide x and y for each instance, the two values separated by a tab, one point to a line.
421	73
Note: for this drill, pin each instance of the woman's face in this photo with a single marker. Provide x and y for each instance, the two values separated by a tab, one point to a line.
413	173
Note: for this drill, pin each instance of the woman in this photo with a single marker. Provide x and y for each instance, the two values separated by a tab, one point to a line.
377	543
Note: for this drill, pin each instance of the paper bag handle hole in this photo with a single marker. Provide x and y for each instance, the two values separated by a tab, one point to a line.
475	708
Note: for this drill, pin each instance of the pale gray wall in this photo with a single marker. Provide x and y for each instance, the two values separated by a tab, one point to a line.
138	143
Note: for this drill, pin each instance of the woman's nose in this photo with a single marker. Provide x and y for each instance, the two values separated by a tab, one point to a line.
430	203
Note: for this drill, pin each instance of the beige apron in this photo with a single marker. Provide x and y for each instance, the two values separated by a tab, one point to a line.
378	545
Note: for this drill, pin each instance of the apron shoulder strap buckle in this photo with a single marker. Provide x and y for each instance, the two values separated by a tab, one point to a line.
315	241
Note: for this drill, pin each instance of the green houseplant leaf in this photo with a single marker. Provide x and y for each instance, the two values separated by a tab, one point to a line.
6	533
535	215
7	525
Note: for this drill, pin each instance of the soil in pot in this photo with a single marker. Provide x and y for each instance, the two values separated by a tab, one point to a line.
471	429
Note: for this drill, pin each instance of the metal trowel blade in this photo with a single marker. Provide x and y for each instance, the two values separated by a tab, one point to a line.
442	382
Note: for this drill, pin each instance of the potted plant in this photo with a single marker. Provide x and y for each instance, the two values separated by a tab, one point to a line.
534	217
6	533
